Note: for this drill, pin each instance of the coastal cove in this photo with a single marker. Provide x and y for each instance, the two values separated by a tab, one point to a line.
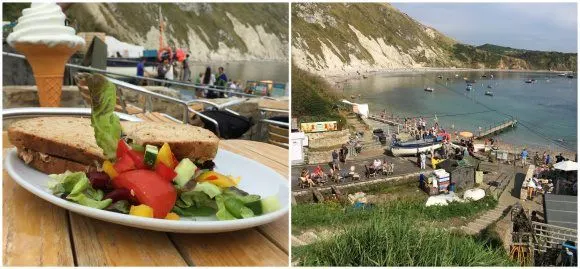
545	109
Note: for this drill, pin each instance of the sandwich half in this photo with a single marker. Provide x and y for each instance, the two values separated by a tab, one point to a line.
54	145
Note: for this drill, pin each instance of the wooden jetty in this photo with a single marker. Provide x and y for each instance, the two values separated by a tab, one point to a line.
497	128
379	119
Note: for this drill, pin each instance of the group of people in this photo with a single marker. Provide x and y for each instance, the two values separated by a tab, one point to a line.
169	68
545	159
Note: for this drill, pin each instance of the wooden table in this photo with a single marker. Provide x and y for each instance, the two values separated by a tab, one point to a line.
38	233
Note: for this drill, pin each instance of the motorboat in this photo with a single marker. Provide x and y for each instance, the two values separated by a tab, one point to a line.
489	86
528	81
428	89
562	75
440	76
469	87
488	93
570	76
415	147
484	76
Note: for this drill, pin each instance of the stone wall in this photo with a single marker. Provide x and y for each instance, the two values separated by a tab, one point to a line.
327	140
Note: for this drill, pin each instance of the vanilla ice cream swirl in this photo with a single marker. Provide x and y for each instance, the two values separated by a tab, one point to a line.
44	23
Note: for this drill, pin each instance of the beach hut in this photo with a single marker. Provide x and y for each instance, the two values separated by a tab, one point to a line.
462	173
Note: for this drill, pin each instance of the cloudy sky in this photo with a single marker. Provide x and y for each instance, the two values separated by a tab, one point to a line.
535	26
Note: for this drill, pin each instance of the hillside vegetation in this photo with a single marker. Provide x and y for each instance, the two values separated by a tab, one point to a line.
334	38
313	99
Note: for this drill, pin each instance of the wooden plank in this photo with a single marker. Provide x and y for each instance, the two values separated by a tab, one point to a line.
99	243
35	232
240	248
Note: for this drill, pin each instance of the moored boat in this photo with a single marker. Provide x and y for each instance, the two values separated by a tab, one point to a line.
428	89
414	147
469	87
488	93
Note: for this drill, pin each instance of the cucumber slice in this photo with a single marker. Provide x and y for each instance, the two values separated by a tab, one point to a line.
150	155
210	189
270	204
255	206
185	171
137	147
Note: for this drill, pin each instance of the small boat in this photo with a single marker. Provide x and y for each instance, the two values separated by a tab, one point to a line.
414	147
469	87
533	80
489	93
470	81
429	89
489	86
365	76
456	75
484	76
491	76
570	76
440	76
528	81
562	75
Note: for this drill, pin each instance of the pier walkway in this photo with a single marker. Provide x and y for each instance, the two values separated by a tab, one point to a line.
496	128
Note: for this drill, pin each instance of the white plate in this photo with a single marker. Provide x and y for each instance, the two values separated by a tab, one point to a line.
256	179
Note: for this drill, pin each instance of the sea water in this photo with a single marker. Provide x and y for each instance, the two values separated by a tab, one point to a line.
546	109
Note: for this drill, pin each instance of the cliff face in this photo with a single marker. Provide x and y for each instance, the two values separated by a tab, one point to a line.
210	31
342	38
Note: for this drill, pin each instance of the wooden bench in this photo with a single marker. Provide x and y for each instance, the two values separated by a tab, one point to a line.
278	136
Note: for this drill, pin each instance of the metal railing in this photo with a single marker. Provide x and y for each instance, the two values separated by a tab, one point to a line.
191	85
185	104
25	112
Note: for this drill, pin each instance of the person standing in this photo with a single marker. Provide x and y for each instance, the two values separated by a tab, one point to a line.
335	163
524	156
141	71
221	80
186	71
423	160
162	70
548	159
208	80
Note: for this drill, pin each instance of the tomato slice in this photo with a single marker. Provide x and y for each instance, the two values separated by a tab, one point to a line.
149	189
165	172
138	158
122	148
125	163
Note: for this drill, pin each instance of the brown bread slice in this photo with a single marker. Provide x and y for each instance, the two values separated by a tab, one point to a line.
51	164
70	138
186	141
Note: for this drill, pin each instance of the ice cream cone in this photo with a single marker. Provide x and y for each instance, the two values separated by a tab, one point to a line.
48	66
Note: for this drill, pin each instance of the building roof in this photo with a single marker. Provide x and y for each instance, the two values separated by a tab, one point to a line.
561	210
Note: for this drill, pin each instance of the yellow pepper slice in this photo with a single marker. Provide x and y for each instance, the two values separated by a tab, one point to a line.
172	216
165	156
141	211
109	169
218	179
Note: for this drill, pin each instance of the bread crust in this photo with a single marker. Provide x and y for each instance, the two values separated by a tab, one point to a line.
51	164
185	141
66	137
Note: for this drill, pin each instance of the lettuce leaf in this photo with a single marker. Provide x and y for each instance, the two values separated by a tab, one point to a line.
104	121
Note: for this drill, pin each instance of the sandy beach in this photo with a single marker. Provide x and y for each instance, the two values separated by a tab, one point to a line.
345	77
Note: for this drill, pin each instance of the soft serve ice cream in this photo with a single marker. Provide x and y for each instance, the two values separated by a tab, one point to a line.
44	23
48	44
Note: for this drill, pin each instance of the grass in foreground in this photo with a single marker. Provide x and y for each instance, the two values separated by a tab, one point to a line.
395	241
329	214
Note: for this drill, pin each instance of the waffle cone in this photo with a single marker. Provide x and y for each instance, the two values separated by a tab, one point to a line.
48	67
